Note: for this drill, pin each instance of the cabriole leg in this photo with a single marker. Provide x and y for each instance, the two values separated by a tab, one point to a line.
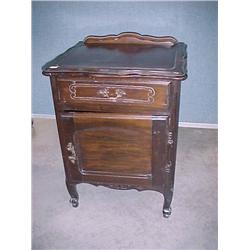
74	200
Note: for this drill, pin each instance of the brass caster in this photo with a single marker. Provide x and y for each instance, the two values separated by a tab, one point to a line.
167	212
74	202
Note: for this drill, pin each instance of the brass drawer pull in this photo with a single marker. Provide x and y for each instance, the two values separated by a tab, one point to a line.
106	93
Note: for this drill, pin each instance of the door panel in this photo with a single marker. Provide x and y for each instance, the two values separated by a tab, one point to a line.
113	144
115	148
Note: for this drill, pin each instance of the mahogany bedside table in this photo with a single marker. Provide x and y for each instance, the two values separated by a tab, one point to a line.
116	101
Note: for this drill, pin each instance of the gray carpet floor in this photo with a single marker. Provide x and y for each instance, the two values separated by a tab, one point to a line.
114	219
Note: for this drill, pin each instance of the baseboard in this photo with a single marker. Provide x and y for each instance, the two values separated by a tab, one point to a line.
198	125
43	116
181	124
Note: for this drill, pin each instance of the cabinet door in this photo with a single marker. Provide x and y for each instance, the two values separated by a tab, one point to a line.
115	147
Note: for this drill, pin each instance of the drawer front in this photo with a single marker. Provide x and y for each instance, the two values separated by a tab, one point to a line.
111	97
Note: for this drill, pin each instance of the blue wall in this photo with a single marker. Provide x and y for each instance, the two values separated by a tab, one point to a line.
57	26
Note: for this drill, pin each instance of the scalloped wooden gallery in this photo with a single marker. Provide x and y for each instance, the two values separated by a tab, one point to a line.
116	100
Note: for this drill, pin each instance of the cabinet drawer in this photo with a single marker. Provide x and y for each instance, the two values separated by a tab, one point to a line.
128	97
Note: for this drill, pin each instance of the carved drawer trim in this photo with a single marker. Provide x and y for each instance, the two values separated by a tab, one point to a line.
115	93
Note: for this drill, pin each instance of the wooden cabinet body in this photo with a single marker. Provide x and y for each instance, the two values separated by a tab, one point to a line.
117	101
